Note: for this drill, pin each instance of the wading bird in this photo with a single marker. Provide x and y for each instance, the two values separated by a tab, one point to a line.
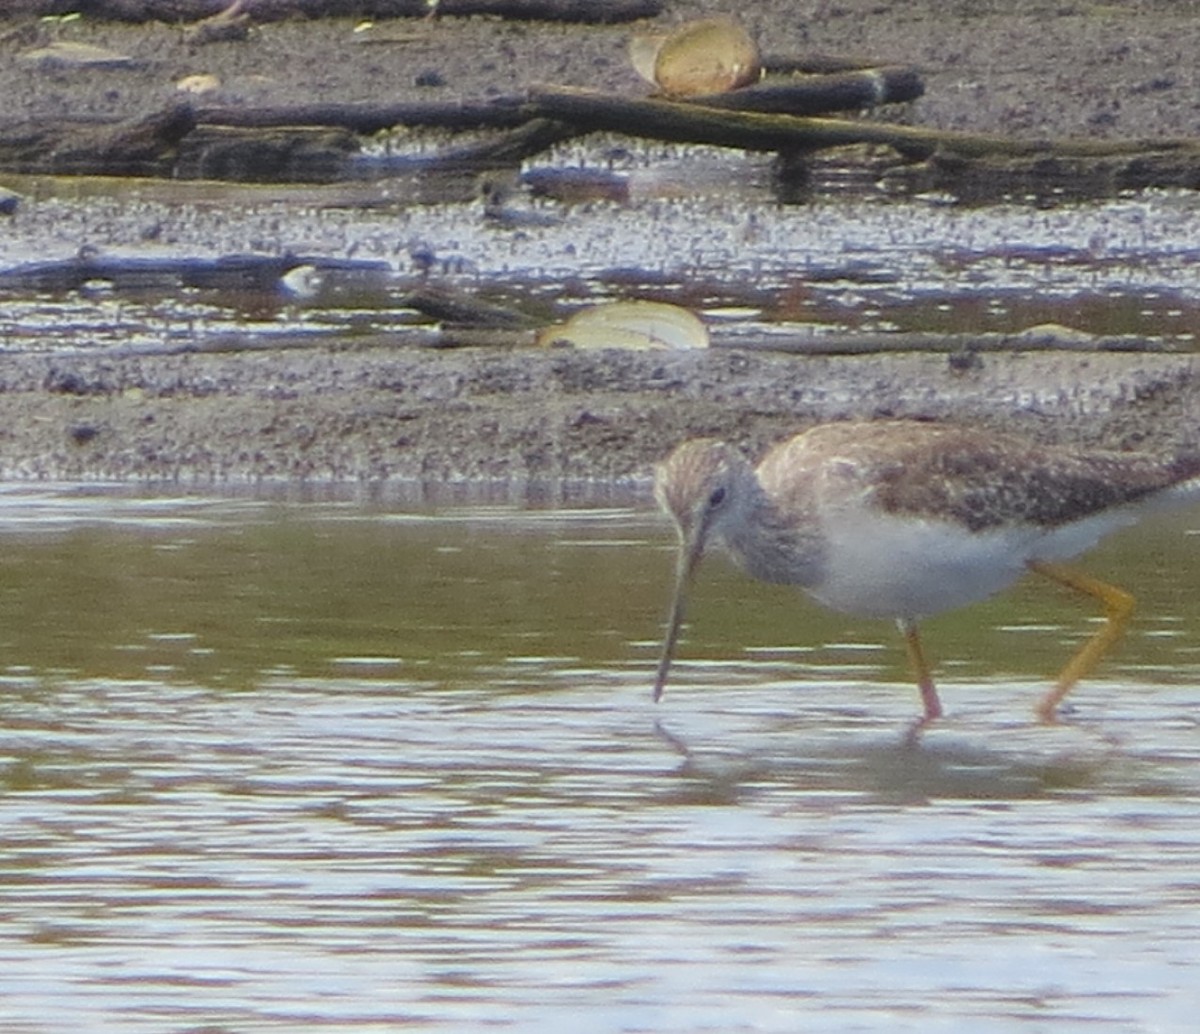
905	519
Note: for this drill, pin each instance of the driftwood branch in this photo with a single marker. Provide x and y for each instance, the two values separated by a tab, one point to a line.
323	143
462	309
755	131
815	94
608	11
840	91
142	148
277	10
170	143
229	273
509	148
365	118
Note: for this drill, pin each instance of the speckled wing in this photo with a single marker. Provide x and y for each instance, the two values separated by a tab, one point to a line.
973	478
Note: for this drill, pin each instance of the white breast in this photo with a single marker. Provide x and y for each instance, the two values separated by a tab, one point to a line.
886	566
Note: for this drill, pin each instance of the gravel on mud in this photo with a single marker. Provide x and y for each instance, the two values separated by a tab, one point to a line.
1021	67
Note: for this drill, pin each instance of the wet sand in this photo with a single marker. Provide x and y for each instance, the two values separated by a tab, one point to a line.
534	417
367	415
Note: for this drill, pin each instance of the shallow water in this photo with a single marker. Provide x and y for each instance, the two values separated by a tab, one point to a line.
287	765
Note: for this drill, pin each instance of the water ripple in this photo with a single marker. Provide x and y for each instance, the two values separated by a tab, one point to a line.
475	835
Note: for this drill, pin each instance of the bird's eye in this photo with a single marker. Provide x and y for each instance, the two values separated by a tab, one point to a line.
717	498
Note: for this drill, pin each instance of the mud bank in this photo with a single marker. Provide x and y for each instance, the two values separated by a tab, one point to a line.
358	415
371	416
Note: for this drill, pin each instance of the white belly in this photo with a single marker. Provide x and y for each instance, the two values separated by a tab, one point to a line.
889	567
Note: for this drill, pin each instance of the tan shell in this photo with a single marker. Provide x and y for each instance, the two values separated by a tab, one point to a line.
637	325
202	82
709	56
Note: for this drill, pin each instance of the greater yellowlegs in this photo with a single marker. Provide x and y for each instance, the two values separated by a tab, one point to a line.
904	519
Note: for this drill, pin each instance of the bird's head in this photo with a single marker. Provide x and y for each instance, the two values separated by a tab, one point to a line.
701	485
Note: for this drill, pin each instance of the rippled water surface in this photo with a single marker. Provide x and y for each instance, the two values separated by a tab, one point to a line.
311	765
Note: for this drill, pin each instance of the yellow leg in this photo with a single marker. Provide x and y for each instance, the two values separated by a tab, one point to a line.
920	667
1118	605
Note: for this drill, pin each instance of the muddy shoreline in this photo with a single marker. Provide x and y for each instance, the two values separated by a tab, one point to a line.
356	415
377	415
1029	68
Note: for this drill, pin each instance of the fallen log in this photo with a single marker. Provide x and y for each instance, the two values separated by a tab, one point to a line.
276	10
142	148
174	143
501	150
366	118
842	90
195	10
815	94
811	94
170	144
592	111
230	25
228	273
447	305
607	12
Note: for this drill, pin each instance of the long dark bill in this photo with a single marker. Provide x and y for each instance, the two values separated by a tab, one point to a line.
689	554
